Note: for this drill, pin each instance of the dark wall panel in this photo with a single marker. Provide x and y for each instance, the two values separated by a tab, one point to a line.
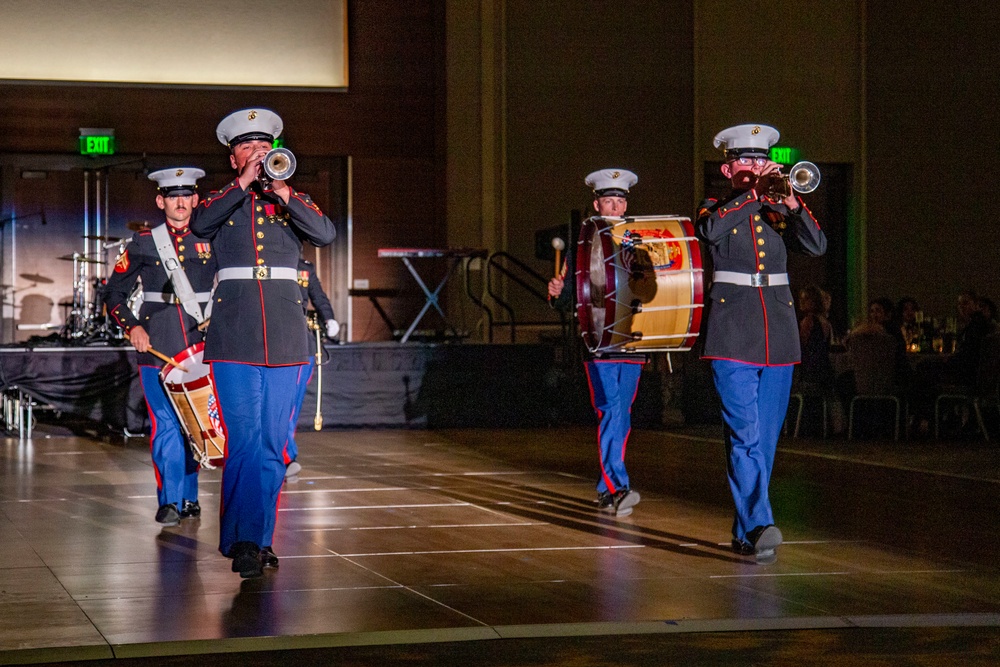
389	119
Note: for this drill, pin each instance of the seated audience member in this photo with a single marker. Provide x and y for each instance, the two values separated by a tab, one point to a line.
989	310
815	333
973	327
906	320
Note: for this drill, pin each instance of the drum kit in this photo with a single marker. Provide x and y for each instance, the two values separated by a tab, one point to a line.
639	284
87	320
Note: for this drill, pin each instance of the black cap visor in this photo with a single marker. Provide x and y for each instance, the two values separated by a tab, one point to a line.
250	136
178	190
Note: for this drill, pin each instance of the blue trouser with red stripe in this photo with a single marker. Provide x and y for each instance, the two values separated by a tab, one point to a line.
305	374
754	402
175	466
613	386
256	403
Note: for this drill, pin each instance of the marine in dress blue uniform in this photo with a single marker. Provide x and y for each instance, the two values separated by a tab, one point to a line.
164	325
613	378
312	291
258	341
751	334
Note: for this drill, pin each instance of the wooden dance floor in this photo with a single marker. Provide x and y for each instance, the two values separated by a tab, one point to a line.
466	541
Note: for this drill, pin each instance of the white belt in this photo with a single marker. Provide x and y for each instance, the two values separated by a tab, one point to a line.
750	279
157	297
258	273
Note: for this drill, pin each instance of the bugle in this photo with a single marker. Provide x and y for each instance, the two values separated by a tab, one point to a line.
802	178
278	165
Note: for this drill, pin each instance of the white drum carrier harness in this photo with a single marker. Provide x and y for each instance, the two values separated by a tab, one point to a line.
185	294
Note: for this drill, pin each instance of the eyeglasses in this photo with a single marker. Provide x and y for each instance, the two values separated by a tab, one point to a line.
750	161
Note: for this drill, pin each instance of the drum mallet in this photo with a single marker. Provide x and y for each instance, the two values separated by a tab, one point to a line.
559	245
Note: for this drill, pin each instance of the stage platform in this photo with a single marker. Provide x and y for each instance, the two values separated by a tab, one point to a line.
363	385
484	546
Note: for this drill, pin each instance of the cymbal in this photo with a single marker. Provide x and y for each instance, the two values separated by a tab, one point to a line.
80	258
92	237
136	225
35	278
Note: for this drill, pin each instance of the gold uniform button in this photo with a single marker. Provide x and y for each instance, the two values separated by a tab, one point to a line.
757	217
760	267
759	229
760	254
260	235
260	221
760	241
180	248
260	247
734	231
723	300
789	303
260	208
231	222
260	260
180	257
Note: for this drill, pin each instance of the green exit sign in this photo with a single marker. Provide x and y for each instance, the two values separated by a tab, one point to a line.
97	141
784	154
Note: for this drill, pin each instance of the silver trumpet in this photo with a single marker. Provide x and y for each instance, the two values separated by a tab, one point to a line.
278	165
803	178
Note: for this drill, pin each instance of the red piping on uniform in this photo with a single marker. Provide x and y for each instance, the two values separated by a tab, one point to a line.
215	196
811	216
263	318
311	207
749	363
152	435
767	342
225	434
625	443
600	416
180	320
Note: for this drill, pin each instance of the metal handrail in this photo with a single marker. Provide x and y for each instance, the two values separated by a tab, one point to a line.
537	289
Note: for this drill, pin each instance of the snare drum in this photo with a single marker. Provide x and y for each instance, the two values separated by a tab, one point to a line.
639	284
196	403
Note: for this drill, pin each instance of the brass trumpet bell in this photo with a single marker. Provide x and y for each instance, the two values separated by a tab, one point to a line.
279	164
804	177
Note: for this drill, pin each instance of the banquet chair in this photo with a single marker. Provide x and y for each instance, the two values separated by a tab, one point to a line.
985	392
873	360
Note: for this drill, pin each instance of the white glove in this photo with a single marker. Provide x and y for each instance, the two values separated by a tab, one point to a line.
332	329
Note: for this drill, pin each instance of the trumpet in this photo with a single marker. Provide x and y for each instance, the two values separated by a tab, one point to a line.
803	178
277	165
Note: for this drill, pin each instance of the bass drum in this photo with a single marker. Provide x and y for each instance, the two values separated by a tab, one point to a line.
639	284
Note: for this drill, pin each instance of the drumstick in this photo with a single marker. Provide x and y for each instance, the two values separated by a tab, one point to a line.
558	244
162	357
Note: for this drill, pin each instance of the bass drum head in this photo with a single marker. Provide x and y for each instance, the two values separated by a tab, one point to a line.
595	281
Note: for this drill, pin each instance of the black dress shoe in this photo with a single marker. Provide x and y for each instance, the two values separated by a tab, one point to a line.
268	559
168	515
625	500
742	548
190	509
765	541
246	560
606	502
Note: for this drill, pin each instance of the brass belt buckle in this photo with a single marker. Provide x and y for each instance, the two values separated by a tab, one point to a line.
261	272
758	280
